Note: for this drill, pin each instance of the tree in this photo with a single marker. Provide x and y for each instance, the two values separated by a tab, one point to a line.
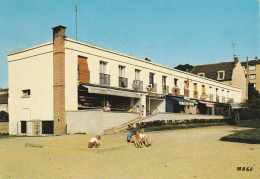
185	67
253	97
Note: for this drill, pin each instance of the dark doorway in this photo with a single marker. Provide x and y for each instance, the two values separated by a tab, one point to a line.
23	127
47	127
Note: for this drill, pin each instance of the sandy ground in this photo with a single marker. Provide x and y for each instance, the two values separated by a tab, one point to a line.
187	153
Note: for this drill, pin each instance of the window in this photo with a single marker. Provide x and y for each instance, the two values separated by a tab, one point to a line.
252	67
121	71
221	75
103	67
26	93
203	89
195	87
252	76
175	82
201	74
151	78
137	74
164	80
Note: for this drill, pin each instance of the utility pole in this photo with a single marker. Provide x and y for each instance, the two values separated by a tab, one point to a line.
247	81
76	21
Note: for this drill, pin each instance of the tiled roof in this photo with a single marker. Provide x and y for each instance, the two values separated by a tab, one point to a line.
251	62
3	98
211	70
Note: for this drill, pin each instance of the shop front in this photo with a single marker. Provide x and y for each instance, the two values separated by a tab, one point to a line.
180	105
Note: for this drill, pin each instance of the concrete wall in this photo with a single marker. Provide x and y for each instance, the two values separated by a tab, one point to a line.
32	69
4	127
114	59
87	121
95	121
176	116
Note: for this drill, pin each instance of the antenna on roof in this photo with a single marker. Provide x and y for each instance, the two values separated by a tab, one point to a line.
233	44
76	21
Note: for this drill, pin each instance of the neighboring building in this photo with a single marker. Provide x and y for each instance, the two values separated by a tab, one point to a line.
253	71
4	100
61	86
232	73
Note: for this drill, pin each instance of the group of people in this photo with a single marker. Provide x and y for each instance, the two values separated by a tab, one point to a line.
139	139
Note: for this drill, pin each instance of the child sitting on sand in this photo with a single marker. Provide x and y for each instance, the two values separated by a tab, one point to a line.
138	141
93	143
130	137
144	139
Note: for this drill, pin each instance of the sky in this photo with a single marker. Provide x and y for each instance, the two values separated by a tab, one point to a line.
169	32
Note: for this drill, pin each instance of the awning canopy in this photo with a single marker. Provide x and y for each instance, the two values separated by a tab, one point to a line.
208	104
182	101
114	92
237	106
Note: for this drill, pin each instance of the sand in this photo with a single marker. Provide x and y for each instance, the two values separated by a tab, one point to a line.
186	153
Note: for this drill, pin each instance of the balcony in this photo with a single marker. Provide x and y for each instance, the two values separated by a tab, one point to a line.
217	98
203	96
165	89
104	79
195	94
211	97
230	100
123	82
152	87
176	91
137	85
186	93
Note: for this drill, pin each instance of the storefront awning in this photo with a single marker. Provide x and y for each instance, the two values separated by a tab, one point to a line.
113	92
208	104
183	101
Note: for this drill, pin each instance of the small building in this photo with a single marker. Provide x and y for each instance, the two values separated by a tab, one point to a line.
66	86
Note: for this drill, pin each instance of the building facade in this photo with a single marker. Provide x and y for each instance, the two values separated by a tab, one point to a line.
49	81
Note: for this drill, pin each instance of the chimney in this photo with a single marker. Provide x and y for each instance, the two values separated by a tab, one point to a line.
147	59
59	80
235	60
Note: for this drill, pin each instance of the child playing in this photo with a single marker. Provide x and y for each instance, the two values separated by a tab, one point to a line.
144	139
130	137
93	143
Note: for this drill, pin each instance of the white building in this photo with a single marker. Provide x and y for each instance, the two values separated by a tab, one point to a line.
51	86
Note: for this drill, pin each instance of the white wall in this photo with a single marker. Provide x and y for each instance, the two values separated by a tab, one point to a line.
96	54
30	69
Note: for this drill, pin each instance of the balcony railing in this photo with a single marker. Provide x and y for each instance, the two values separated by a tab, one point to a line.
211	97
217	98
165	89
230	100
137	85
176	91
195	94
203	96
186	93
104	79
152	87
123	82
